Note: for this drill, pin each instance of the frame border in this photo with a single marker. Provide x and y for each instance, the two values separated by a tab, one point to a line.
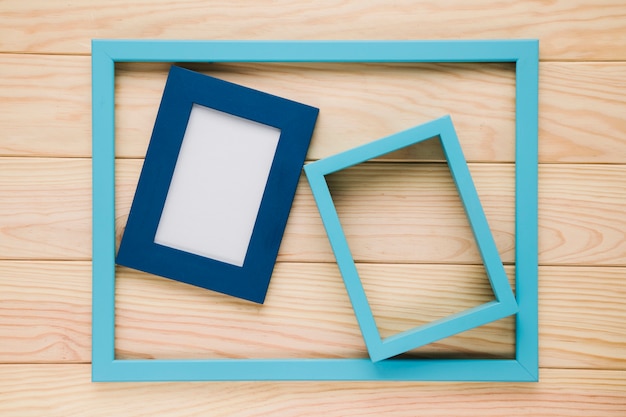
504	304
138	248
105	53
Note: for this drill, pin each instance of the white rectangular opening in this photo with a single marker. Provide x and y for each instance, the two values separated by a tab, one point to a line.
218	183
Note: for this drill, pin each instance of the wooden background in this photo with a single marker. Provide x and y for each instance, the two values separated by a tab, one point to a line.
404	220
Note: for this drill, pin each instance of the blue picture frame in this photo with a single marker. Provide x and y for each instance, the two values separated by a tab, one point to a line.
138	248
504	304
525	55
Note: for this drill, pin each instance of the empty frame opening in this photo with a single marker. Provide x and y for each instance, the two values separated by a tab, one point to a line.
217	186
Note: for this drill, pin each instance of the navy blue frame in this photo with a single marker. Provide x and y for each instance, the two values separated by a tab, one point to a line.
295	121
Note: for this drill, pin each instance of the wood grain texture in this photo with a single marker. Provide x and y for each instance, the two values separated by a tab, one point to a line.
44	105
394	212
45	314
581	112
405	224
581	29
390	212
581	105
595	308
46	208
581	326
33	390
359	102
317	323
45	311
597	196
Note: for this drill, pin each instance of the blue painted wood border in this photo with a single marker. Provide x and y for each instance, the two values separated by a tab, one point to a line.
138	249
504	304
104	55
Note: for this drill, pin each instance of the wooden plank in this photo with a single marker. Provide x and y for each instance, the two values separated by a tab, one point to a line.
411	213
581	105
598	197
576	306
307	314
390	212
581	29
479	98
581	109
45	314
358	103
45	105
45	311
320	323
46	208
65	390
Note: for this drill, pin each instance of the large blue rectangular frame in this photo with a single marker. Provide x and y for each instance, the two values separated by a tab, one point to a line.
105	53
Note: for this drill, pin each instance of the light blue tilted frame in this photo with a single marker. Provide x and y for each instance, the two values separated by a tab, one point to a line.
105	53
504	304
